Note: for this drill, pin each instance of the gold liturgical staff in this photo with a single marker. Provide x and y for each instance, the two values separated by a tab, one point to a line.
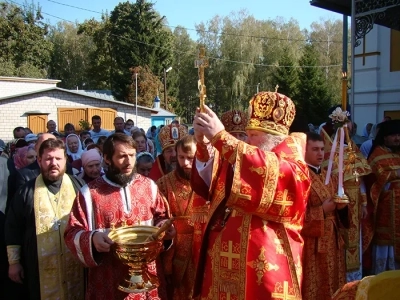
201	63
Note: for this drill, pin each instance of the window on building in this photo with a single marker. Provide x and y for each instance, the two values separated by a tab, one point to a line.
394	50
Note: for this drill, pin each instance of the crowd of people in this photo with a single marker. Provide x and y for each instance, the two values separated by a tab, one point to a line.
254	214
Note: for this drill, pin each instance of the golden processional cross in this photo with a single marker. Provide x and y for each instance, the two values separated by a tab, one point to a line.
201	63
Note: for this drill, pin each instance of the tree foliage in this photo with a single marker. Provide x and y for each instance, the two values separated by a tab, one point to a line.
137	37
314	98
286	76
70	57
24	49
184	76
245	55
101	65
147	88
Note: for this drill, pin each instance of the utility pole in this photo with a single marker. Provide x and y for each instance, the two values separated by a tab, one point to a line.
344	65
136	97
165	86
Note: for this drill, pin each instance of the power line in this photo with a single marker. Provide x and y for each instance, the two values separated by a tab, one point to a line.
72	6
210	31
182	52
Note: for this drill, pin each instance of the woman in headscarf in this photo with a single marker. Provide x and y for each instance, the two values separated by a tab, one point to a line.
24	156
144	163
74	147
91	165
367	130
143	144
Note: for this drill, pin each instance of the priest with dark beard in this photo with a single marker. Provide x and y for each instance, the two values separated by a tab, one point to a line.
119	198
166	162
178	261
34	230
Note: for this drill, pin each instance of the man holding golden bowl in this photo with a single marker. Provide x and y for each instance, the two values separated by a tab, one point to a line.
120	198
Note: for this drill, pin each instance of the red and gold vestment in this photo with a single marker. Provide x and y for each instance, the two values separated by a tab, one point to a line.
323	255
252	247
99	206
351	183
385	195
158	169
178	260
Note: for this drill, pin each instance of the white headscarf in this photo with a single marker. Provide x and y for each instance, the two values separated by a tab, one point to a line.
365	131
78	154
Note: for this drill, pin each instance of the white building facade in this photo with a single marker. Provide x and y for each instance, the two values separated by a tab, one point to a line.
377	77
21	104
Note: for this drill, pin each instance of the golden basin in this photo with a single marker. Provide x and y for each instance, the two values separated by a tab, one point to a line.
132	249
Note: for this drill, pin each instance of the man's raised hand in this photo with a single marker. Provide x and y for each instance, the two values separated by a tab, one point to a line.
207	123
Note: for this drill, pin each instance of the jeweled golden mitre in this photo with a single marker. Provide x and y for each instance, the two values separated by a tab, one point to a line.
170	134
234	121
271	112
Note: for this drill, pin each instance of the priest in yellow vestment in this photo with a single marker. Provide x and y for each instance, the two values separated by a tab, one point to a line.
34	230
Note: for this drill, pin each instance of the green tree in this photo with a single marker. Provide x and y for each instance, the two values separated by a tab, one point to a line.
185	75
243	53
24	47
70	59
137	37
101	62
327	37
148	86
314	98
286	76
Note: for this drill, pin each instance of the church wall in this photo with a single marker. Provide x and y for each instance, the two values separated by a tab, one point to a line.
376	88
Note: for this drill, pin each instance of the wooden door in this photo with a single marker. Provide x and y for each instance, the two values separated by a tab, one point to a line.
107	116
71	115
37	123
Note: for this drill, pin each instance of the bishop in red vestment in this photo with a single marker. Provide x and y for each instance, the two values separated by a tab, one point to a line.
252	247
119	198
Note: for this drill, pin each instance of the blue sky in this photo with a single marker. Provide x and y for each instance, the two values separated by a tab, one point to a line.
187	13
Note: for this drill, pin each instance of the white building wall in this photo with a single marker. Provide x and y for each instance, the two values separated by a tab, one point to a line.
376	88
16	85
13	111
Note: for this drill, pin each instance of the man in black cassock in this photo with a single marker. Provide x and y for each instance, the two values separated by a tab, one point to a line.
34	230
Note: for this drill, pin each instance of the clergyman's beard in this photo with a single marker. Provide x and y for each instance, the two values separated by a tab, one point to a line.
394	149
46	174
182	173
114	174
271	142
170	167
